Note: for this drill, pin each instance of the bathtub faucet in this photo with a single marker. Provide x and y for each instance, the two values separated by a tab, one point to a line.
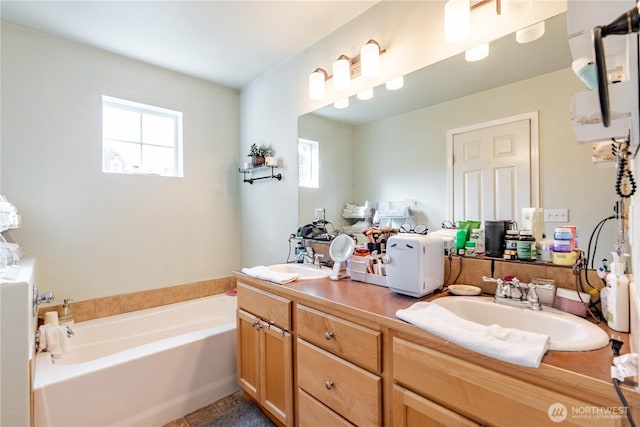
70	332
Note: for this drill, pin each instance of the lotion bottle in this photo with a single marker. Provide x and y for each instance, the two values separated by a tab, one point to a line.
618	296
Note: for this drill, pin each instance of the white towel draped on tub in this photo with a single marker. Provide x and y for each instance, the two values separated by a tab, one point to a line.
53	339
265	273
506	344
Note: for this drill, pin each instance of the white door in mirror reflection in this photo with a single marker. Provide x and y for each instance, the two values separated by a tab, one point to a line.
491	171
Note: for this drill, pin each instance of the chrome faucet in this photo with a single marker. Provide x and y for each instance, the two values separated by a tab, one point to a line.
514	290
316	260
306	259
512	293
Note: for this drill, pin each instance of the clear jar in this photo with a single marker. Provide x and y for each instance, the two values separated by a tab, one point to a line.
511	244
477	236
526	246
543	250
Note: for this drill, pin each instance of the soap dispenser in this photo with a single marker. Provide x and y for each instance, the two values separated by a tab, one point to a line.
67	318
618	296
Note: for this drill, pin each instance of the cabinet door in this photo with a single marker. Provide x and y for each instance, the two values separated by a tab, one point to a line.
248	353
412	410
276	386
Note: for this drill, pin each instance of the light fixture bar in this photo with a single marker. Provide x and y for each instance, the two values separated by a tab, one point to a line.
352	66
477	3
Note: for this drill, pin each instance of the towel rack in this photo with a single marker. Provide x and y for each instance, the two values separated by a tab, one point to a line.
259	169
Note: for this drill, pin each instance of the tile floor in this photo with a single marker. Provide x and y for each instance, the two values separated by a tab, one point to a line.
209	412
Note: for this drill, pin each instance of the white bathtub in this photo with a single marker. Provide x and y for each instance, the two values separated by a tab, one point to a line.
143	368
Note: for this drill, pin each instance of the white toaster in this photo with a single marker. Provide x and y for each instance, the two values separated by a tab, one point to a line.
415	264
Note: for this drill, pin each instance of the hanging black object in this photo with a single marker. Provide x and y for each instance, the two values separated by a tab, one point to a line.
628	22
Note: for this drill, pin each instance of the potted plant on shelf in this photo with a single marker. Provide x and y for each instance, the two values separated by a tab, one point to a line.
258	154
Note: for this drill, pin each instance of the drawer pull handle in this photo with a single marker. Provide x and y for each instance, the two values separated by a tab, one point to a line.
257	325
328	335
328	385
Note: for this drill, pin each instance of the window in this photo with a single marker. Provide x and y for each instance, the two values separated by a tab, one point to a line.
308	163
140	139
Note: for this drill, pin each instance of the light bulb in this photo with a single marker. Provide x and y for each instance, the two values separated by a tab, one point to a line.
457	20
316	84
365	94
341	103
370	59
531	33
395	84
477	53
342	73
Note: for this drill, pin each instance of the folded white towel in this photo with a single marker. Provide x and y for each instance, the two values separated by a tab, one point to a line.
265	273
53	339
506	344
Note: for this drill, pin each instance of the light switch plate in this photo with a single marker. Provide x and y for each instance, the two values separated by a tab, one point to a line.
556	215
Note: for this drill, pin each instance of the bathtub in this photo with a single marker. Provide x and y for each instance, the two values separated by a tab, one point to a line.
143	368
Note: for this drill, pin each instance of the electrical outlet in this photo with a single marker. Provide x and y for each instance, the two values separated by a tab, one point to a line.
556	215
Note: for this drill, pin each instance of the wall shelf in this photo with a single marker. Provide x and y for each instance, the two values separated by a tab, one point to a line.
260	170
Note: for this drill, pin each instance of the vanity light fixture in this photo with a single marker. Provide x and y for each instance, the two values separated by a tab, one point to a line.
365	64
342	73
365	94
530	33
477	53
341	103
395	84
317	81
370	59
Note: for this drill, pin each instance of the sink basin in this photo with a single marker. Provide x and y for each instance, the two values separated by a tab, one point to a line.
304	271
567	332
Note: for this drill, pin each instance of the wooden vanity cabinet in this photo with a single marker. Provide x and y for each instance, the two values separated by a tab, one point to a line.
455	387
338	369
264	354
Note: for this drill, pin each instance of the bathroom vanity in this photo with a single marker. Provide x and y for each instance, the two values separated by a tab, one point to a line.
320	352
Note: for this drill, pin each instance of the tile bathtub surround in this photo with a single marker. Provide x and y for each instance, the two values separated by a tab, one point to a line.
124	303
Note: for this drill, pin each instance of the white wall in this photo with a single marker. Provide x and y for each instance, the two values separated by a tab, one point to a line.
412	33
97	234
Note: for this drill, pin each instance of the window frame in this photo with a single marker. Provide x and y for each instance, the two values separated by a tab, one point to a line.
146	110
313	165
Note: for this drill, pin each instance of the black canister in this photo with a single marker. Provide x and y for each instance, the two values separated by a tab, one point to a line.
494	238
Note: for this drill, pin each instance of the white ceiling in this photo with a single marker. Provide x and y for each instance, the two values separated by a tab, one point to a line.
226	42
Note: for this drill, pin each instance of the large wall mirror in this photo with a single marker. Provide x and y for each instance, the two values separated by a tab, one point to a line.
394	146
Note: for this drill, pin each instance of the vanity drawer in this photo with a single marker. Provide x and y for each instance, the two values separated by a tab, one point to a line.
487	397
271	308
346	339
313	413
349	390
